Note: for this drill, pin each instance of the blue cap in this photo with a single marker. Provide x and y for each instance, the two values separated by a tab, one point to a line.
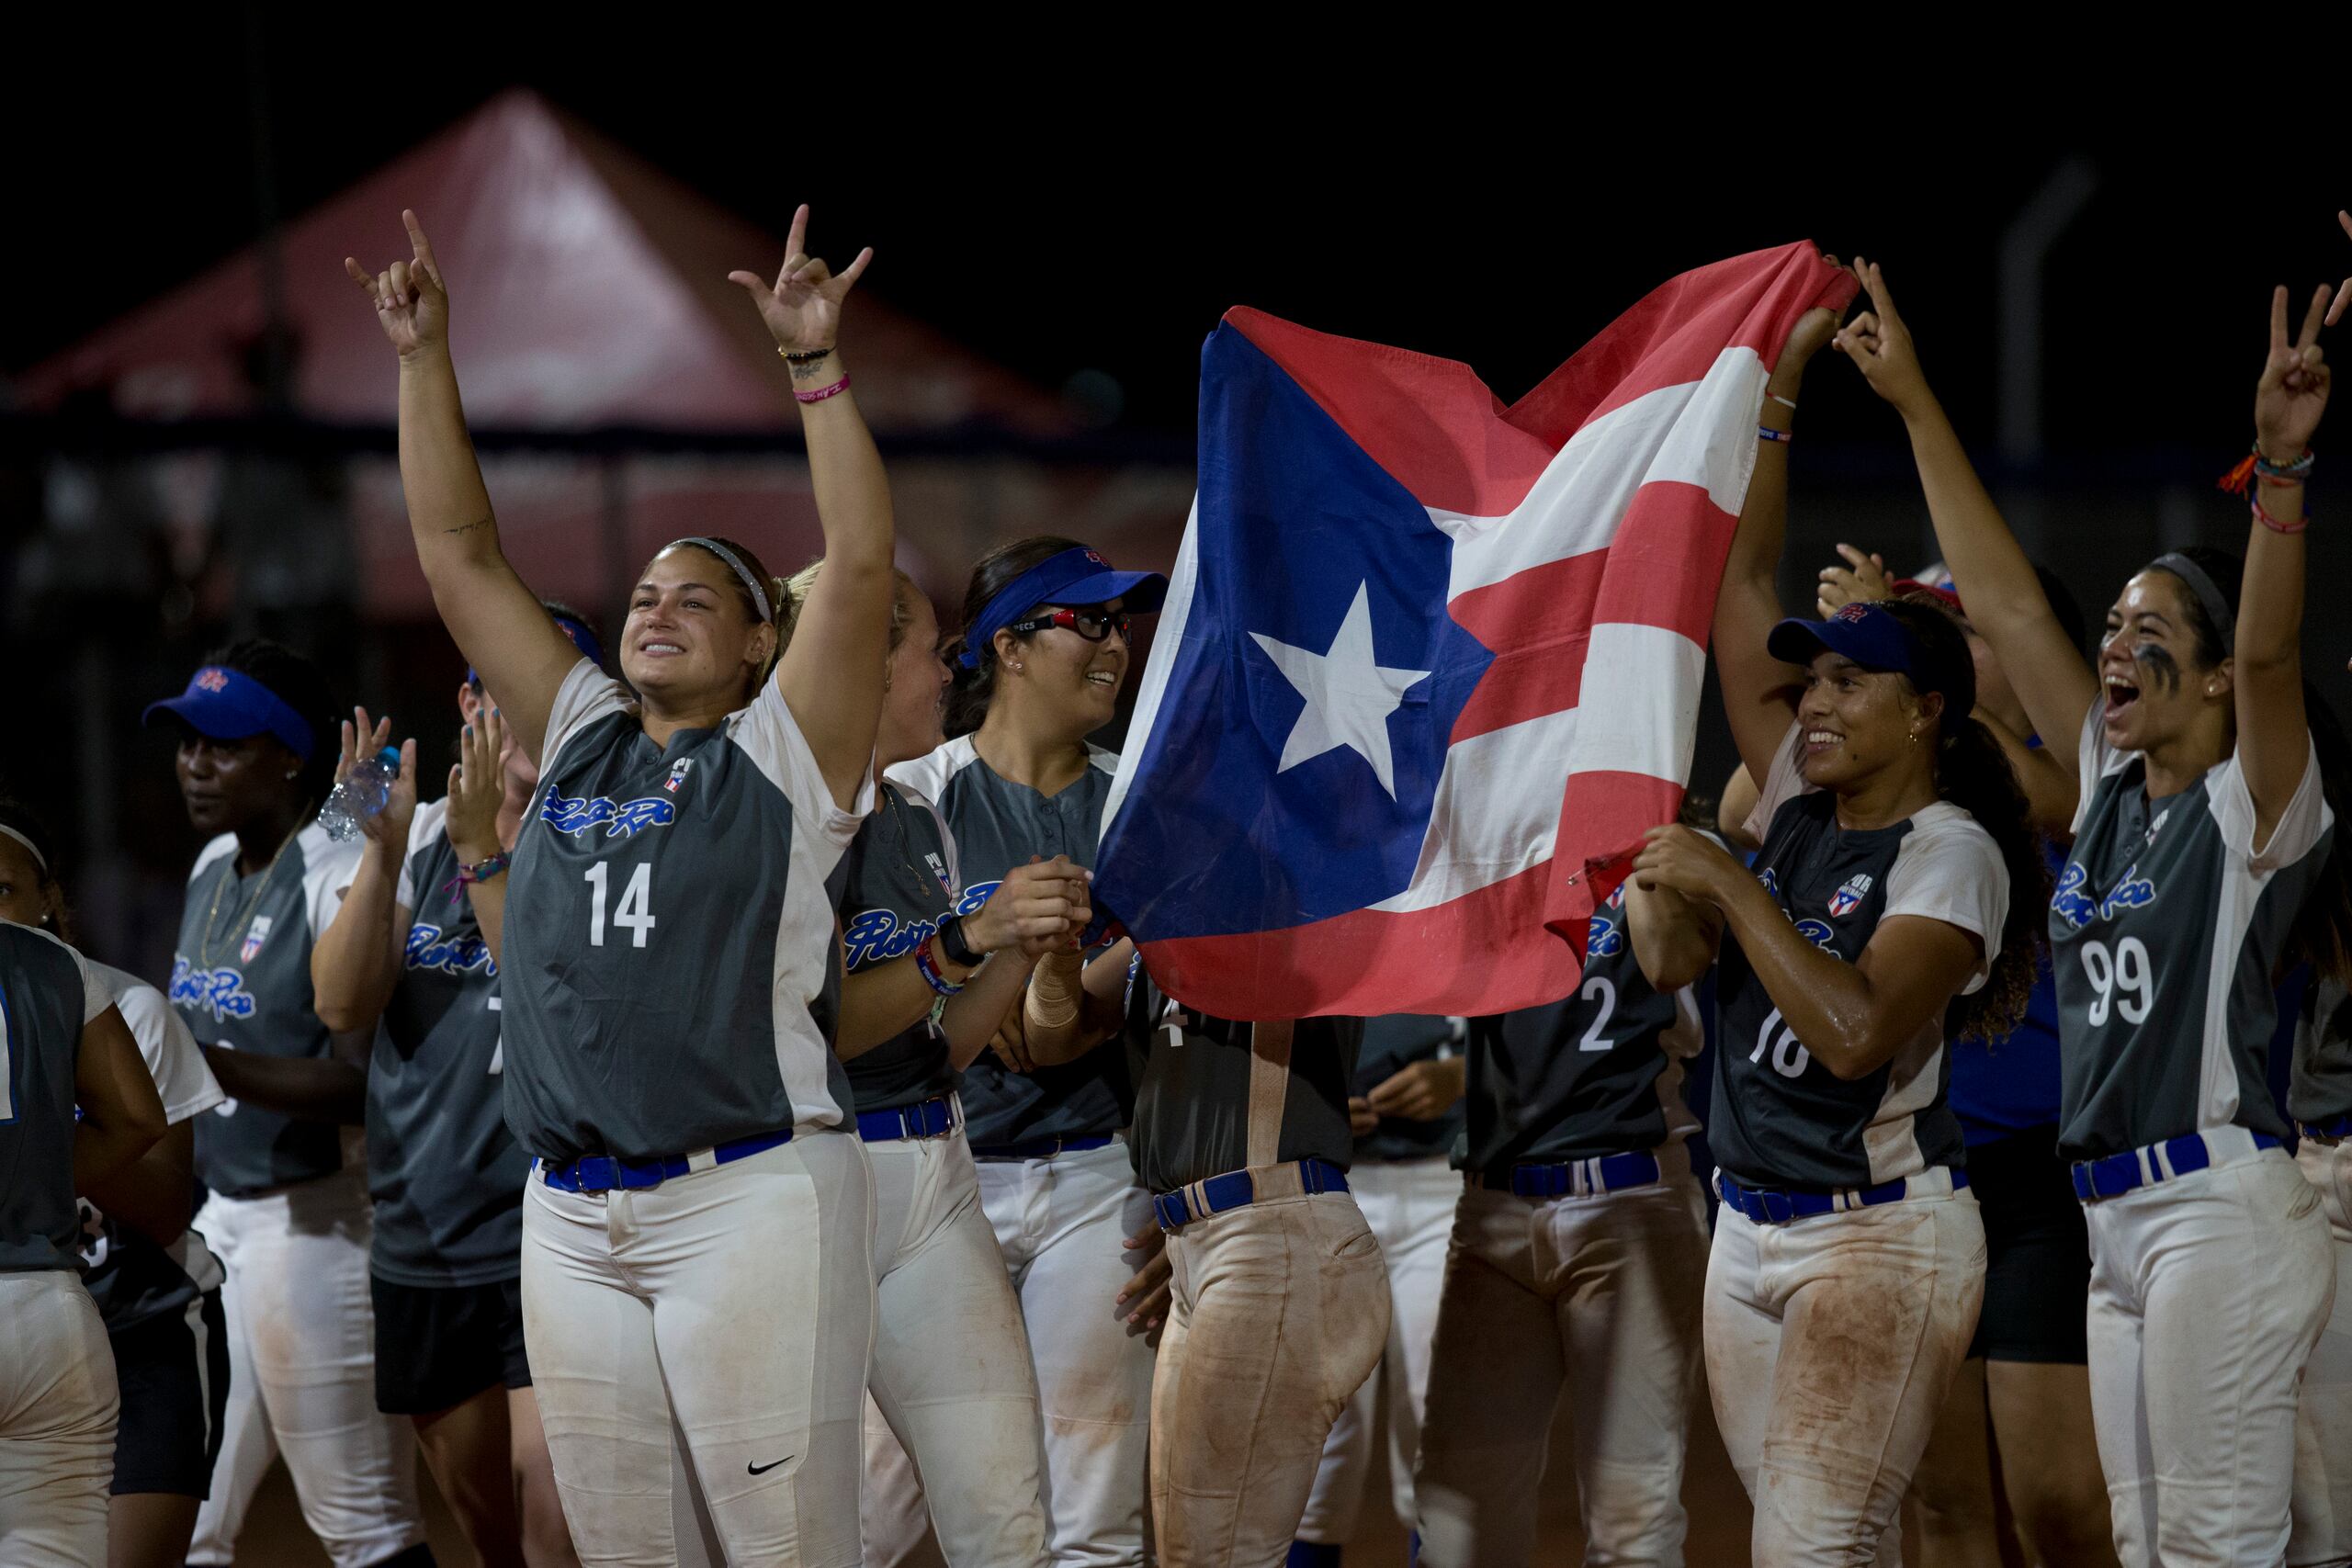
579	635
1870	635
222	704
1077	576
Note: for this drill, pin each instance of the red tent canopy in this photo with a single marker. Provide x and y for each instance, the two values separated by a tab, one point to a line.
587	288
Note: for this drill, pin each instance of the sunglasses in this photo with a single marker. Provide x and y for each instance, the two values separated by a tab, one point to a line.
1091	625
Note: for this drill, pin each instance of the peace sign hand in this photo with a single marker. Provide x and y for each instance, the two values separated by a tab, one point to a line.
803	309
2293	392
411	302
1879	345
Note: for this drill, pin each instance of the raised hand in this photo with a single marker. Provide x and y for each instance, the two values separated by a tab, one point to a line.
389	826
1863	578
1879	345
478	787
2293	392
2344	294
803	307
412	303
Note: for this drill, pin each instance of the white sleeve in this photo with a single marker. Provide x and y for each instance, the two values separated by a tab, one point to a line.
328	868
96	995
1781	783
185	1084
423	831
771	736
586	695
2300	825
2094	760
1952	871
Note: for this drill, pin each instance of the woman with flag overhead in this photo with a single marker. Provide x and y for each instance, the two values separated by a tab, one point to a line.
1849	1260
696	1230
2202	859
1044	654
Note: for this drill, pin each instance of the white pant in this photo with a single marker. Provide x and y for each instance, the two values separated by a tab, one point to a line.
2207	1293
1598	1295
1059	1224
2322	1508
1409	1206
57	1417
303	1374
1830	1344
738	1299
952	1372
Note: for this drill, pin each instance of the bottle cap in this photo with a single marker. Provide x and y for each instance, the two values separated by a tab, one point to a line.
390	757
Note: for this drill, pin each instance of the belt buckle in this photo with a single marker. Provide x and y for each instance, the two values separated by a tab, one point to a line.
1780	1208
594	1173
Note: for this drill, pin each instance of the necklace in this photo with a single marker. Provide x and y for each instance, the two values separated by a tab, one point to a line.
247	904
922	885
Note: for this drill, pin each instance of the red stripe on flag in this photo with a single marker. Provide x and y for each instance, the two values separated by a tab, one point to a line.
1661	571
1602	823
1439	430
1484	952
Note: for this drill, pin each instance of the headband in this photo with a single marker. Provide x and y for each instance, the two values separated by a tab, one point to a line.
2217	610
31	848
759	590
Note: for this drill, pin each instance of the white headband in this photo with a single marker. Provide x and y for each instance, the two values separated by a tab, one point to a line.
30	847
759	591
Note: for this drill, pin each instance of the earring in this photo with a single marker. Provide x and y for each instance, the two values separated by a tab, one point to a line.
1019	667
295	774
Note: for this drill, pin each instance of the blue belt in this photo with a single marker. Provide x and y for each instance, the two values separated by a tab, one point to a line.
2114	1175
1235	1190
603	1173
1779	1205
1038	1148
1608	1173
2333	1127
925	1118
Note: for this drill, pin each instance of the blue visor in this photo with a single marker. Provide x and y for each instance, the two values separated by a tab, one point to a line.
1872	637
580	636
1074	577
222	703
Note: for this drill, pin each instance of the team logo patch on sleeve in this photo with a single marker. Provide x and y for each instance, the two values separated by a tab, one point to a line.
619	820
1849	899
678	770
256	934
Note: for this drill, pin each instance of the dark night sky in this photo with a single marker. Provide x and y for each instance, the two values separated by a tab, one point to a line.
1067	218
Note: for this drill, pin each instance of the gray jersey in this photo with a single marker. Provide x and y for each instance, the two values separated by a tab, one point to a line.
2322	1089
444	1168
997	825
898	882
1599	1072
1782	1119
1390	1045
241	980
2164	931
131	1278
1193	1105
47	993
671	975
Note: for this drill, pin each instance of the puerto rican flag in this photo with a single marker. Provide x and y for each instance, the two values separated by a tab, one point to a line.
1366	771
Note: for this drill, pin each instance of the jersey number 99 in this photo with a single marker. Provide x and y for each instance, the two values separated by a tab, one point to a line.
2124	981
634	913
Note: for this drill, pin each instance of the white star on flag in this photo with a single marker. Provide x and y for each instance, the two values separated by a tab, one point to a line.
1349	695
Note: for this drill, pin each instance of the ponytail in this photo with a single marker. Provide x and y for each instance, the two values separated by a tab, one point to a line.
1973	774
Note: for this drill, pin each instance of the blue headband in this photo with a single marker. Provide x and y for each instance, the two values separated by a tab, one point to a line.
580	637
222	703
1076	576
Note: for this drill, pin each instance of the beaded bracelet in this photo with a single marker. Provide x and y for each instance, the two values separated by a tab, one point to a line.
802	356
2255	463
931	974
821	393
2273	523
1767	432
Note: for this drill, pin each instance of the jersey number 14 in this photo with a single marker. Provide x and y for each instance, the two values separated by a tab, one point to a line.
633	914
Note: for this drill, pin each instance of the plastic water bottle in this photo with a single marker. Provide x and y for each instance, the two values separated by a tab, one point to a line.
361	795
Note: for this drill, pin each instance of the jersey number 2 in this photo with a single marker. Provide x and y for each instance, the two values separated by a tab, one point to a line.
634	913
2124	981
1596	1038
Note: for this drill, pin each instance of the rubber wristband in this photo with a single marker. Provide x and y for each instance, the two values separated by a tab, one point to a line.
821	393
1783	437
2275	526
931	974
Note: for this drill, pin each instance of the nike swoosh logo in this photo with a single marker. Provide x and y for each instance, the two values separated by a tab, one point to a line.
763	1468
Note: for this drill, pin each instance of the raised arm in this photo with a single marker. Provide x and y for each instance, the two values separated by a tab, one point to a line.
2005	603
2274	735
477	789
830	675
1759	691
356	960
493	618
120	1115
